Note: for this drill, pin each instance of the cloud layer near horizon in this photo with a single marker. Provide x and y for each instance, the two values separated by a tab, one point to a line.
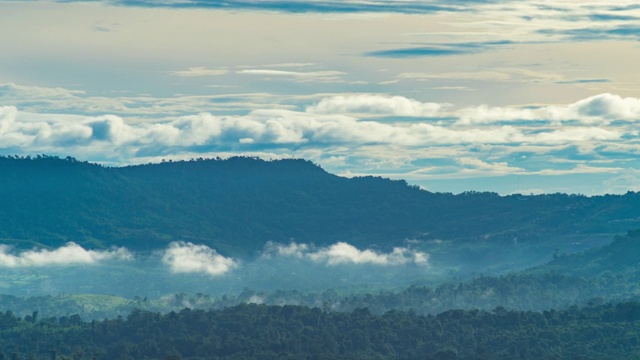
67	255
348	120
343	253
190	258
186	257
353	133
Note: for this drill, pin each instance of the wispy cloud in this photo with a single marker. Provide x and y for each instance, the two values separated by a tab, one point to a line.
300	76
185	257
344	253
375	104
584	81
297	6
598	21
60	100
612	17
522	75
286	65
477	166
409	52
199	71
623	32
597	109
477	75
67	255
626	180
448	49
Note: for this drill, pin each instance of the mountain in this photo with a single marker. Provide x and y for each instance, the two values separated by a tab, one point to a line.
621	257
236	205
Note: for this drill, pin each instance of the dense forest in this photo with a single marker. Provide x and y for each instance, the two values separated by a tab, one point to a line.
522	292
295	332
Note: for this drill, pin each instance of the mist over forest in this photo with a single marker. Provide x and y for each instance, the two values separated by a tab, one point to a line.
87	242
227	224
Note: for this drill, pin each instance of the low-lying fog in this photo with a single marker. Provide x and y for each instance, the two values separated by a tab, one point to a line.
190	268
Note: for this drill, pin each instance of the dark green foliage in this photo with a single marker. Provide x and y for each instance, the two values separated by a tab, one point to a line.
622	256
273	332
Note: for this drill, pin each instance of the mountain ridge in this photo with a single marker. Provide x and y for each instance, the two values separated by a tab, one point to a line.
237	205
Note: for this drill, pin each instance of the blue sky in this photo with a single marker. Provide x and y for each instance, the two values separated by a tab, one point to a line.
504	96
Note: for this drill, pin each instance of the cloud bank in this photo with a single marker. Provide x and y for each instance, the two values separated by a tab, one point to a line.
69	254
375	104
344	253
185	257
598	109
391	136
330	121
189	258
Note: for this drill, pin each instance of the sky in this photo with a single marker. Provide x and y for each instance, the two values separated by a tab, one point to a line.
458	95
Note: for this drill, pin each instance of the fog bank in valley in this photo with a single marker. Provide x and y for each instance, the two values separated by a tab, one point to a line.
184	267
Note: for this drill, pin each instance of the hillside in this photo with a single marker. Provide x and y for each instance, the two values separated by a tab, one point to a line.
621	257
238	204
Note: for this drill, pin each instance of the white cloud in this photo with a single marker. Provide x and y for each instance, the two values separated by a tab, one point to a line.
573	135
478	75
333	134
199	71
343	253
185	257
44	100
113	136
521	75
454	88
7	118
600	108
38	92
111	128
283	65
485	115
579	169
477	165
184	131
300	76
374	104
69	254
293	249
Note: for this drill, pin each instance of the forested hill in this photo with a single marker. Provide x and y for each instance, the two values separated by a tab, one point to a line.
237	205
620	257
264	332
